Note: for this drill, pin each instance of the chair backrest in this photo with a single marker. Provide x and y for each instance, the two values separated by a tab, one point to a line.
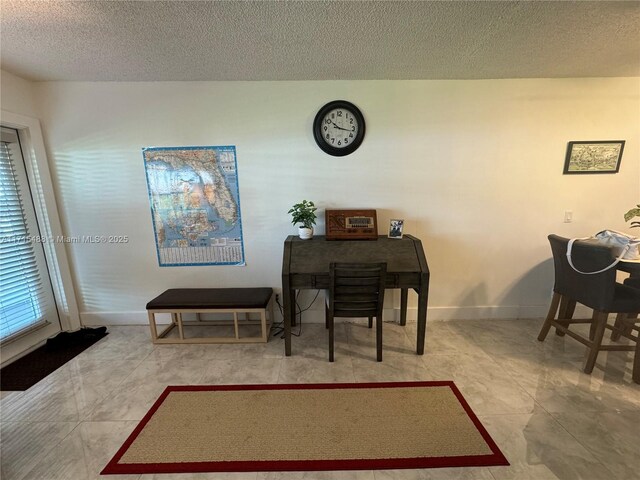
357	289
594	291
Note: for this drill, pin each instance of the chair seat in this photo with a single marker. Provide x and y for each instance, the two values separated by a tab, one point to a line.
632	282
626	298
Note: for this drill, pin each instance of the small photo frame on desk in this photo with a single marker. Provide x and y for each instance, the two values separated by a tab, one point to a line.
395	228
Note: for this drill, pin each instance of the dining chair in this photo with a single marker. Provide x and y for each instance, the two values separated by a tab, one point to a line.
599	292
626	325
356	290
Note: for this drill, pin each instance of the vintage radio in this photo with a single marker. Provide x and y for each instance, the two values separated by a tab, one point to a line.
351	225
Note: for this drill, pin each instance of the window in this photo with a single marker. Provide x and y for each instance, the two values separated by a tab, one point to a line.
26	295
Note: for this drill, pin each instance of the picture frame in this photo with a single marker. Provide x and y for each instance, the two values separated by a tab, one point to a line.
395	228
588	157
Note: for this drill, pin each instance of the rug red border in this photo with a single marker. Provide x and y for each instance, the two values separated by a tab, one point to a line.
495	459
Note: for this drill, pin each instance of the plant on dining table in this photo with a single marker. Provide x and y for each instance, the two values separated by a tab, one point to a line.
634	212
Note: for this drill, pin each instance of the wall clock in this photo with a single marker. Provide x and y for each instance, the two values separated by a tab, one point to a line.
339	128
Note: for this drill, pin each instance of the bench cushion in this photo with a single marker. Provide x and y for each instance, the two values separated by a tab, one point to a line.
204	298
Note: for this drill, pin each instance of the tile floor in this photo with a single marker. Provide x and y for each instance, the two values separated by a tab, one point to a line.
551	420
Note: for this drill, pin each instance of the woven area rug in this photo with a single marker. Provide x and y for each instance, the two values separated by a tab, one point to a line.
363	426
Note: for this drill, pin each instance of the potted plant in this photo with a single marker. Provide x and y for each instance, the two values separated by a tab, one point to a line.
304	213
634	212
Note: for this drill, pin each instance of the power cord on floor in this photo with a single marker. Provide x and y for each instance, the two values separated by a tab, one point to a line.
278	328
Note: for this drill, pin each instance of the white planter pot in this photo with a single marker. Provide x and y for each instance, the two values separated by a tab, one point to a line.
305	233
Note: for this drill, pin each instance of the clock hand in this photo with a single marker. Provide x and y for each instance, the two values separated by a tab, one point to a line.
339	128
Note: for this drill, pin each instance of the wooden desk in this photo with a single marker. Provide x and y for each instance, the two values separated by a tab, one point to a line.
305	265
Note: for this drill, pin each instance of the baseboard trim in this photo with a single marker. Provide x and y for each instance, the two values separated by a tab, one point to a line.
391	314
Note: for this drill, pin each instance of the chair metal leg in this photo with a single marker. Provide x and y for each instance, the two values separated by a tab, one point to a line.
370	322
551	315
599	320
379	338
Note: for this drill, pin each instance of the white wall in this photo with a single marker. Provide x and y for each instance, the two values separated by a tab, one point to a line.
17	95
475	168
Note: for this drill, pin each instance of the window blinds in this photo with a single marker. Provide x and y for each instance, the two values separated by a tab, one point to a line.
25	299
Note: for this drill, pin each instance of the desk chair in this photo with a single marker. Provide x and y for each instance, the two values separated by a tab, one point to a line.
599	292
356	290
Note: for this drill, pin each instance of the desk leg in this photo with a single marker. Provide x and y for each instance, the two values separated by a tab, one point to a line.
404	297
423	295
288	303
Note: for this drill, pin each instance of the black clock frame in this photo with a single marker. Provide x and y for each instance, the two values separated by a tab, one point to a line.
317	128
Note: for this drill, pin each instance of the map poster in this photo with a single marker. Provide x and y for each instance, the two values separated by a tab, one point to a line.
195	205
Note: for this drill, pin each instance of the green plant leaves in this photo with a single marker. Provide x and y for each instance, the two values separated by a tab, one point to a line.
634	212
303	213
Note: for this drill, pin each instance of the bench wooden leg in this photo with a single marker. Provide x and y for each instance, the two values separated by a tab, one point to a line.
235	325
180	326
263	324
155	335
152	326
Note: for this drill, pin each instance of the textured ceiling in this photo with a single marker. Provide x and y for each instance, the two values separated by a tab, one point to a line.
317	40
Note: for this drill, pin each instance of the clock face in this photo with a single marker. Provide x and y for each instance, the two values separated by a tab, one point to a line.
339	128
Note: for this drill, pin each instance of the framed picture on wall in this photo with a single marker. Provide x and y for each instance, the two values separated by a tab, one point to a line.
602	156
395	228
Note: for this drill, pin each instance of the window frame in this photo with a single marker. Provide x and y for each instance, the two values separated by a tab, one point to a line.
48	219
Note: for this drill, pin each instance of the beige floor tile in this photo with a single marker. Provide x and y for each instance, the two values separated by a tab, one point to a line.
469	473
532	396
21	442
612	437
84	453
538	448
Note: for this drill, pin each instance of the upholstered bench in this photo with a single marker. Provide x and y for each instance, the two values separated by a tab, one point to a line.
179	301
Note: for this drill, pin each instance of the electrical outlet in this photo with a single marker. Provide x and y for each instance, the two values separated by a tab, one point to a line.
568	216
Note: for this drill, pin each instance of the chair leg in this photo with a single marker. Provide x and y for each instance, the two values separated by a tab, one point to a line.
592	330
379	338
331	329
599	319
553	308
620	325
370	322
636	362
567	308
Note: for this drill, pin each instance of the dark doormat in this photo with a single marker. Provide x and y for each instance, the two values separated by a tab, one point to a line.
33	367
